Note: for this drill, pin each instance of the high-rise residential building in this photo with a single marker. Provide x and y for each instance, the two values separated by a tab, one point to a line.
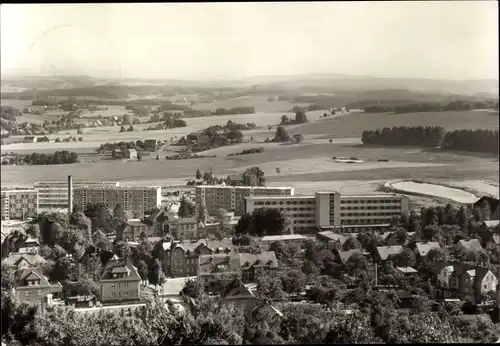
19	204
331	210
53	195
232	198
135	199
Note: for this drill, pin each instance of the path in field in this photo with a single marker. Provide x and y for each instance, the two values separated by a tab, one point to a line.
455	194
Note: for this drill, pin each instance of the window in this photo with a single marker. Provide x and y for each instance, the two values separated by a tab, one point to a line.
125	294
113	285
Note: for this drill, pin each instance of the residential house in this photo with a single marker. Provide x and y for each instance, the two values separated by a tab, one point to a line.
181	258
160	223
119	281
473	244
24	260
390	238
132	229
463	279
488	208
424	248
243	180
31	245
294	239
335	241
129	154
494	242
29	139
183	228
34	287
235	292
199	136
383	252
224	267
78	302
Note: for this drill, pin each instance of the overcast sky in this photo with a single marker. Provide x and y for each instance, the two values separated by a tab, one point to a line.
439	39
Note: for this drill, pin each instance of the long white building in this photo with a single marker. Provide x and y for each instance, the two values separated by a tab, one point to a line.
53	195
232	198
331	210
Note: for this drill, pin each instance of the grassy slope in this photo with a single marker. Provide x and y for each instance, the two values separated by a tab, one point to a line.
354	124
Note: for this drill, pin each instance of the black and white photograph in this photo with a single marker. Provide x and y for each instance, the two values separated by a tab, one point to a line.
250	173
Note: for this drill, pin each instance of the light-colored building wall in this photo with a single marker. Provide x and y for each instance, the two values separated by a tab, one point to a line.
133	198
19	204
301	209
371	209
233	197
32	294
327	206
112	290
53	195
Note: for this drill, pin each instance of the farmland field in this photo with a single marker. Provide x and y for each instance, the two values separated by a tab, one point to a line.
94	137
354	124
260	104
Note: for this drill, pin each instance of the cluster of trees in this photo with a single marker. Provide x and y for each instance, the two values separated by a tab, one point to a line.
169	123
485	141
232	111
138	145
470	140
129	129
262	222
300	118
56	158
232	126
139	110
166	115
10	113
67	139
456	105
405	135
283	136
187	208
248	151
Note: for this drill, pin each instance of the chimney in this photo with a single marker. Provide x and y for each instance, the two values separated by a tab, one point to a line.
70	194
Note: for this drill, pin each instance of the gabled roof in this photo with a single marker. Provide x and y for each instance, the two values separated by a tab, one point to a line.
407	270
236	289
424	248
493	202
344	255
116	265
33	274
491	223
14	258
472	244
385	251
333	236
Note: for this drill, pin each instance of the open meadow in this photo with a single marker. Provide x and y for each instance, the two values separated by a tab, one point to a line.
260	103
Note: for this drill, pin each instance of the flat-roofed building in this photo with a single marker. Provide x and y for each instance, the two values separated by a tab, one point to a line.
301	209
19	204
232	198
139	199
53	195
333	211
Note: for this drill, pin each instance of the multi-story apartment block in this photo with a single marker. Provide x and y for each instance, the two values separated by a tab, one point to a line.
120	281
34	287
19	204
138	199
232	198
53	195
331	210
301	209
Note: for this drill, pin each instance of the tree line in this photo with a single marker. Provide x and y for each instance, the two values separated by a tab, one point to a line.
455	105
235	110
56	158
432	136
